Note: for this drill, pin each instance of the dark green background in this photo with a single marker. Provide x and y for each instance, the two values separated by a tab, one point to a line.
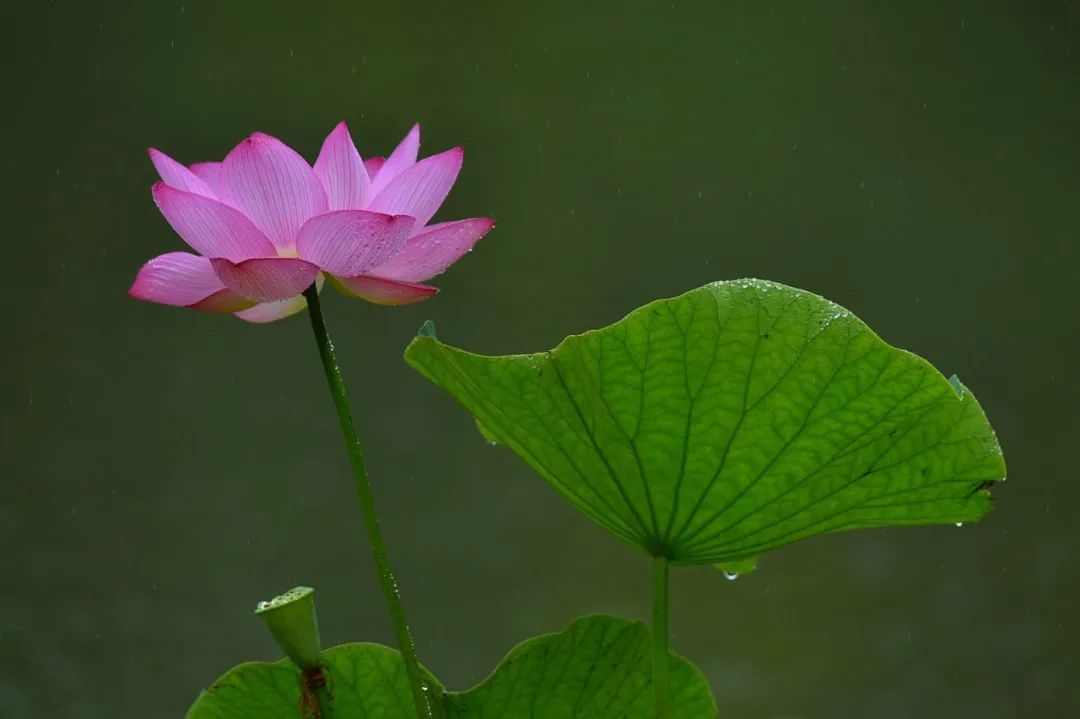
162	470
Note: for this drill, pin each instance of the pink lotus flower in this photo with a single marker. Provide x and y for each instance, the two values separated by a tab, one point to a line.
266	225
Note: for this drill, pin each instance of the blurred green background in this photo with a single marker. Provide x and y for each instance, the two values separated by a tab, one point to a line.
163	469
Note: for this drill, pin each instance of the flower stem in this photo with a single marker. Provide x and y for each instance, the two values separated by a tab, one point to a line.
367	503
661	660
326	705
321	702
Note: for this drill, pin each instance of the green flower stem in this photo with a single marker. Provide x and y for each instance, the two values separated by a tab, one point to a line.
367	503
661	658
326	709
317	685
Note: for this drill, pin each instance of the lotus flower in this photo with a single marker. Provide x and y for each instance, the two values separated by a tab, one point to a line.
266	225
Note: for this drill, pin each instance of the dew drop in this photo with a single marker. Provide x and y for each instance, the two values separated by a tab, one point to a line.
730	576
959	524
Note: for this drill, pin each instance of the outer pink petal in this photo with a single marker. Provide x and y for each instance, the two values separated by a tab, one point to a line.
271	311
342	172
224	301
420	190
402	158
185	280
382	291
351	242
176	278
433	250
176	175
373	165
211	228
266	279
273	186
210	173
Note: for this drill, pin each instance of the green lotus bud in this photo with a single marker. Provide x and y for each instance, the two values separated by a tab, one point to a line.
292	620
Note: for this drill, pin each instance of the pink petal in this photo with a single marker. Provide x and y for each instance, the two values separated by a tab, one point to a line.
433	250
351	242
341	171
271	311
211	228
185	280
266	279
176	175
210	173
381	291
224	301
402	158
273	186
176	278
419	190
372	165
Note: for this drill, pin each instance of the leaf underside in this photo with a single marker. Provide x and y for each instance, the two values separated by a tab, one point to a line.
732	420
599	667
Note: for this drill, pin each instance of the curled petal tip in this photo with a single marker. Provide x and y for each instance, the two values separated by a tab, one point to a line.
138	289
257	138
342	128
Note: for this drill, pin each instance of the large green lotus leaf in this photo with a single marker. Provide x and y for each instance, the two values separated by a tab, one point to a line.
600	667
732	420
367	681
